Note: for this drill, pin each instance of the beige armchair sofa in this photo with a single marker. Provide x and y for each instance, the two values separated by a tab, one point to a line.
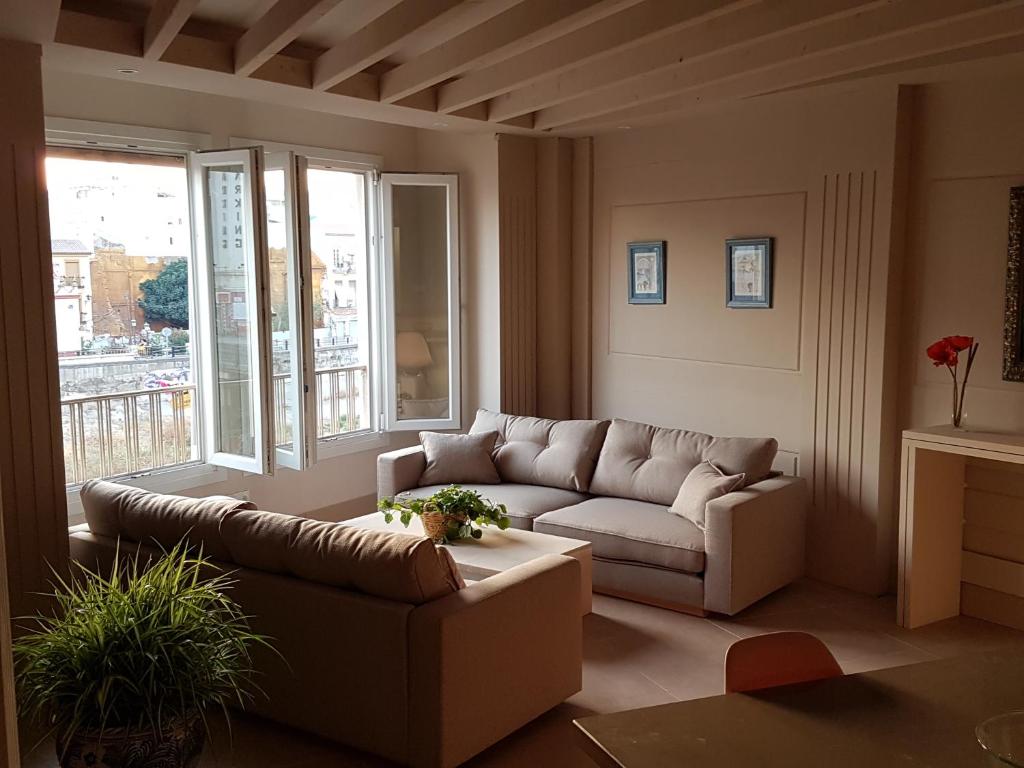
385	650
611	483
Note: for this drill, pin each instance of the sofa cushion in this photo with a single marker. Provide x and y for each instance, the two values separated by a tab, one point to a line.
646	463
524	502
704	483
532	451
751	457
114	510
458	458
630	531
385	564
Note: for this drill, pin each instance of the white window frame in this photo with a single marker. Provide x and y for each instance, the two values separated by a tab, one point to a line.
302	453
255	244
90	134
450	182
374	436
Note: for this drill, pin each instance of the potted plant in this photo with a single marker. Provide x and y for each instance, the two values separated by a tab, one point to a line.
449	514
125	670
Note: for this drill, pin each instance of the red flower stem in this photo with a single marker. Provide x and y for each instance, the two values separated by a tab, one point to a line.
963	386
956	407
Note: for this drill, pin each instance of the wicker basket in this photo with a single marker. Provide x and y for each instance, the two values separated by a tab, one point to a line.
436	524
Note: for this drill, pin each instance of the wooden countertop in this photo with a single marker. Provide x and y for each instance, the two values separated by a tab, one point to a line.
918	715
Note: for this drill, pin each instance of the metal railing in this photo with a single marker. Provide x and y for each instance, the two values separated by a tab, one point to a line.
127	432
147	429
341	402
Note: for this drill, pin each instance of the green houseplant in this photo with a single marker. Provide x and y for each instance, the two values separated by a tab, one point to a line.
125	670
449	514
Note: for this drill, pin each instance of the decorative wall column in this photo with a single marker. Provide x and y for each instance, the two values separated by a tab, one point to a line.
544	241
856	222
31	445
517	259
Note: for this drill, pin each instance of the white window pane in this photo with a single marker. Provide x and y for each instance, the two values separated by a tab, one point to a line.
233	309
421	223
120	243
340	276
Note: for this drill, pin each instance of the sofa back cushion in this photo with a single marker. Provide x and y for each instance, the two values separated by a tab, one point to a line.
113	510
648	463
393	566
389	565
533	451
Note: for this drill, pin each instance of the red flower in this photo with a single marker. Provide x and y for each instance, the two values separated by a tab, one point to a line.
942	352
960	343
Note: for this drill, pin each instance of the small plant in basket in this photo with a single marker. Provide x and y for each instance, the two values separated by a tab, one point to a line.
448	515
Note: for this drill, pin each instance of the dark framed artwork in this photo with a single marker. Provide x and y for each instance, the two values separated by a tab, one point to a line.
1013	323
645	271
748	272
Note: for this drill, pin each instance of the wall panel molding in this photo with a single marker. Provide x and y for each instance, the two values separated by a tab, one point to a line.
517	265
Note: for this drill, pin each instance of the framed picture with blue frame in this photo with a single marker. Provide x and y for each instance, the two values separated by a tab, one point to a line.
748	272
645	264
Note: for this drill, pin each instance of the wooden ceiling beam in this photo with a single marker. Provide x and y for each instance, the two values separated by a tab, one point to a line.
931	44
802	45
377	40
643	23
689	44
526	25
164	22
281	25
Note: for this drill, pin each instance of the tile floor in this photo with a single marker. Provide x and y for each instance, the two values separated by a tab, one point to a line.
636	656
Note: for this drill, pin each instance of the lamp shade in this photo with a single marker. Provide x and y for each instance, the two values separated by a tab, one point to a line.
412	352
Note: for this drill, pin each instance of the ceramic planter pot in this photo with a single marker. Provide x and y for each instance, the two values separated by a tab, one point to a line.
179	744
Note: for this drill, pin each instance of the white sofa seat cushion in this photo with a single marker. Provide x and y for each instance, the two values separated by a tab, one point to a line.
630	531
524	502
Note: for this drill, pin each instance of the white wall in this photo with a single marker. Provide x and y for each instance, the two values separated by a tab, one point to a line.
343	486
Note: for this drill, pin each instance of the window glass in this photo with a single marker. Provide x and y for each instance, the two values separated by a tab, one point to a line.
120	251
342	352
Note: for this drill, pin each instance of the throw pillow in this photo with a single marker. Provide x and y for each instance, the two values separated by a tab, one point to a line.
704	483
458	458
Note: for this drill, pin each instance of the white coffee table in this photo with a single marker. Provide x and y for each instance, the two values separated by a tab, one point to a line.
498	550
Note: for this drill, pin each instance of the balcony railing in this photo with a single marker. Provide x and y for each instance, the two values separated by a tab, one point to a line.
142	430
127	432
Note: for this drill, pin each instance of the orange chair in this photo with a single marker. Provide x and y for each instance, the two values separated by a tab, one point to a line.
779	658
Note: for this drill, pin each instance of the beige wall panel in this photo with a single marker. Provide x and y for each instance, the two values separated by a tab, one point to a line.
517	238
694	324
31	453
554	278
818	172
582	237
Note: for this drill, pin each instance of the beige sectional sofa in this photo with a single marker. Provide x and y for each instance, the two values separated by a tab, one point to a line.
385	650
611	483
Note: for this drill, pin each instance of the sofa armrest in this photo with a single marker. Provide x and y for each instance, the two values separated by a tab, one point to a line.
399	471
489	658
754	542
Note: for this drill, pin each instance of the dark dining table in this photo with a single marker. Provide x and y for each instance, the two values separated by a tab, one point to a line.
920	715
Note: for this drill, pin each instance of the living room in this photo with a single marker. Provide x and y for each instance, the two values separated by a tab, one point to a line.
634	231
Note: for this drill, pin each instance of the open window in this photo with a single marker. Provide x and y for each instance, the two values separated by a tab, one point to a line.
232	288
291	309
420	239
